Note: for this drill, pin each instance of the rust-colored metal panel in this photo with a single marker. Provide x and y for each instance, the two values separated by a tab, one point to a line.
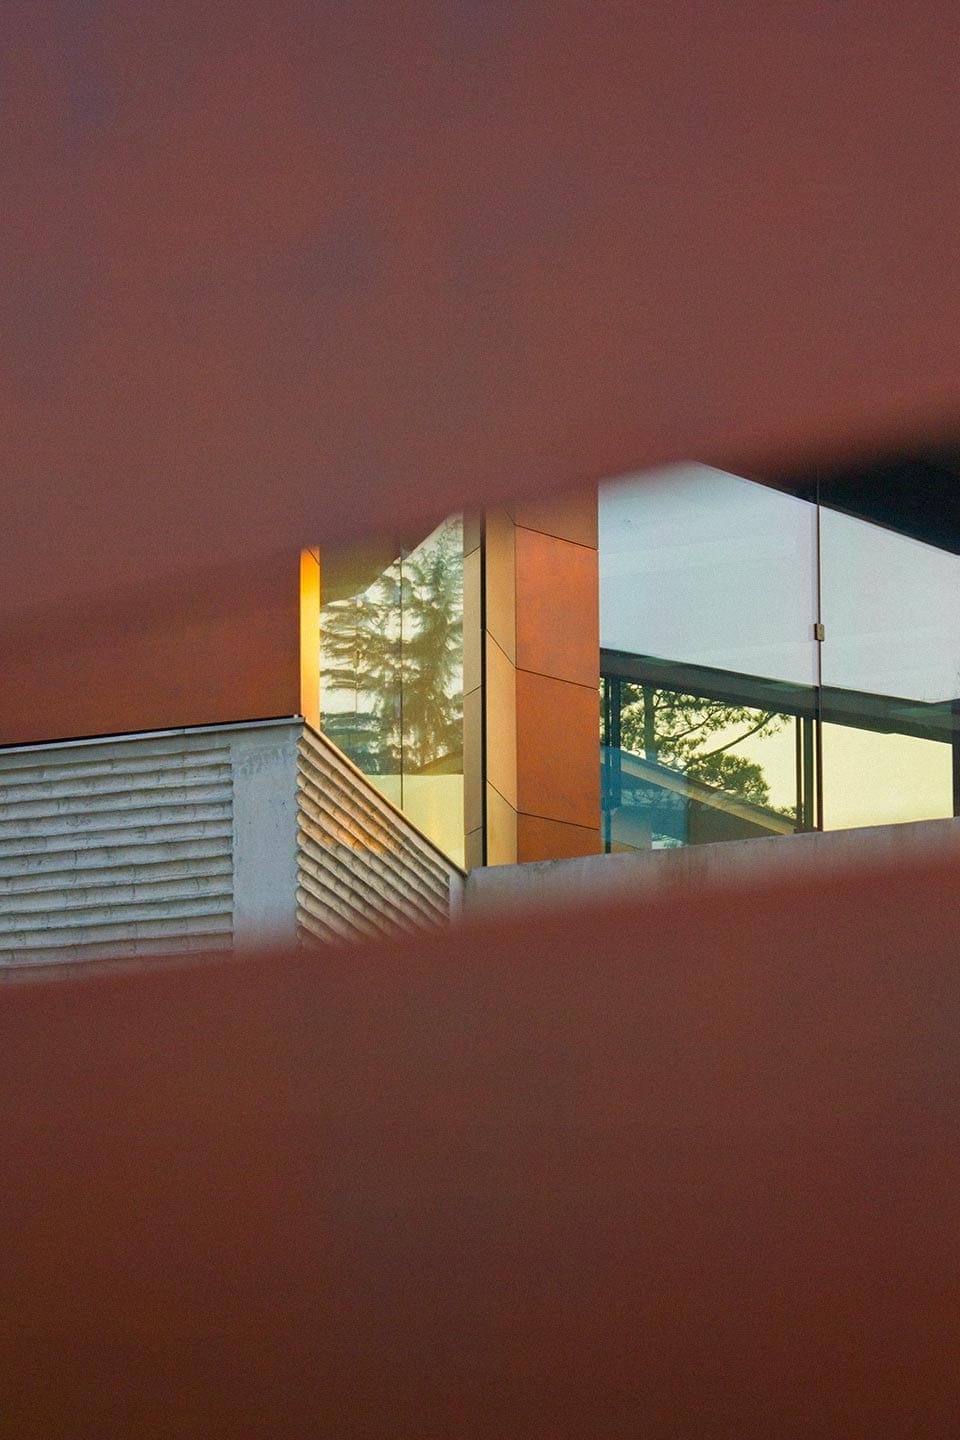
571	517
557	729
686	1168
542	598
500	702
472	760
473	848
472	612
501	829
500	581
541	839
558	608
217	647
472	531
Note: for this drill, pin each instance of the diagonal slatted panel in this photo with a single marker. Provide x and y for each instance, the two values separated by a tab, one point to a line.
364	870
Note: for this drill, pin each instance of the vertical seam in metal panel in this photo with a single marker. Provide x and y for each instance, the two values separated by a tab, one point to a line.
483	687
818	760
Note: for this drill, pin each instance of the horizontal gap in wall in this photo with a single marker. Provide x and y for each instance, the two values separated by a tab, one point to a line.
138	735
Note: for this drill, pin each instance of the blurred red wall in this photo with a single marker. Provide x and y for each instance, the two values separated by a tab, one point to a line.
218	646
278	274
687	1168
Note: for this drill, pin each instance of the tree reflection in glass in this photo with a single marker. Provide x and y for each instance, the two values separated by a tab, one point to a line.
682	769
360	674
699	736
431	661
391	688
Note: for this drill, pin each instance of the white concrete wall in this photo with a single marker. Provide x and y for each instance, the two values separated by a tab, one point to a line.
264	763
363	867
187	841
609	878
116	848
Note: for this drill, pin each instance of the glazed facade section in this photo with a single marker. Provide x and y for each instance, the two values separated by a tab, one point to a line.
391	676
775	657
771	662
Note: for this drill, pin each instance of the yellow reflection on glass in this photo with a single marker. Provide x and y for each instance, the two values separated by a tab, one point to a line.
391	682
435	805
691	770
431	623
872	778
769	751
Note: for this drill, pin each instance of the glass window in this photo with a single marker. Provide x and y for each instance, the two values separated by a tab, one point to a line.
360	657
391	676
876	778
705	568
431	631
890	672
707	593
772	661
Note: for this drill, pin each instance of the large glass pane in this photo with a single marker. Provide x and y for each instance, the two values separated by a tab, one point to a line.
704	567
391	681
891	673
872	778
683	769
361	704
707	604
710	587
432	686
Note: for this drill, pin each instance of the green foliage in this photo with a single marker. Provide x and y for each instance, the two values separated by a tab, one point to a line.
678	730
432	648
396	649
360	659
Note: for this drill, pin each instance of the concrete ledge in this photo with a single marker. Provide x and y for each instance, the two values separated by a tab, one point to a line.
549	883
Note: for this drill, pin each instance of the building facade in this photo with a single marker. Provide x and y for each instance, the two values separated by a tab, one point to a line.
773	655
321	747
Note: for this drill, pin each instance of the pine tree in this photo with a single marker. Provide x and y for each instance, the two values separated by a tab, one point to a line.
432	663
676	730
391	662
360	658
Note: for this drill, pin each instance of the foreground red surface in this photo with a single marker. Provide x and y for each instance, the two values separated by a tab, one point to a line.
272	274
687	1169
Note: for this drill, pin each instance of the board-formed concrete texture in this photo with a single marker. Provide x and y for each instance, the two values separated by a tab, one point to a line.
362	868
203	839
